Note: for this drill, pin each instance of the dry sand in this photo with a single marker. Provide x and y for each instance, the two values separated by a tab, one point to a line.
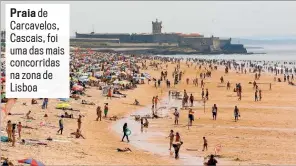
265	133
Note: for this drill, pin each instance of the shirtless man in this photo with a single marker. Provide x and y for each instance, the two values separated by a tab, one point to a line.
99	113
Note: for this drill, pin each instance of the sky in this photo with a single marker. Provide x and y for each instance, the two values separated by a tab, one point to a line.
248	19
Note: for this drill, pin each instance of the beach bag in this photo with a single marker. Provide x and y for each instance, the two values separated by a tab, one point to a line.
4	139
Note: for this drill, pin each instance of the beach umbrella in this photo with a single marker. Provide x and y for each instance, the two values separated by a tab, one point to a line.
63	105
31	161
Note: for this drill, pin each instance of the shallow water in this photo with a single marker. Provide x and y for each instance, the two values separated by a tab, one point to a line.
141	140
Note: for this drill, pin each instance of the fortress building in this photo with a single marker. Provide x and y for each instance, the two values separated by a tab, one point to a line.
193	40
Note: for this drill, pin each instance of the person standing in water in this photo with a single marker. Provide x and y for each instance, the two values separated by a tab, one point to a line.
171	136
176	113
125	129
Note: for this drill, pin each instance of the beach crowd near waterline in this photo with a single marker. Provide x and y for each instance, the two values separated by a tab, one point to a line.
100	80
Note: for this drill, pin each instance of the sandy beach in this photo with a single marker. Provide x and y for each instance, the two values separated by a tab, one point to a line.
264	134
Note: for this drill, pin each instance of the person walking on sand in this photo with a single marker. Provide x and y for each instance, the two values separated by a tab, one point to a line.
176	113
214	111
61	124
106	109
205	144
19	129
191	98
236	113
99	114
171	136
79	121
125	129
45	103
177	145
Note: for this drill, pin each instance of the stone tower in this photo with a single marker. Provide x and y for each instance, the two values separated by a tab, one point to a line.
156	27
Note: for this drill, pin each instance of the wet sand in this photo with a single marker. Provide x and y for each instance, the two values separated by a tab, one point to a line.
265	133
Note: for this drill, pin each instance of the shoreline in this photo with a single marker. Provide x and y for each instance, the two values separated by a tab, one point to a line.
145	143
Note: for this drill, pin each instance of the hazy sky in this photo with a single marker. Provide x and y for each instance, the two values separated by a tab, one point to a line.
226	19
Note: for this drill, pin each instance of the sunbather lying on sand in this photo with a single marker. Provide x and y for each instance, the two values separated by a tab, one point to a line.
77	134
32	142
87	103
28	127
70	109
124	150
